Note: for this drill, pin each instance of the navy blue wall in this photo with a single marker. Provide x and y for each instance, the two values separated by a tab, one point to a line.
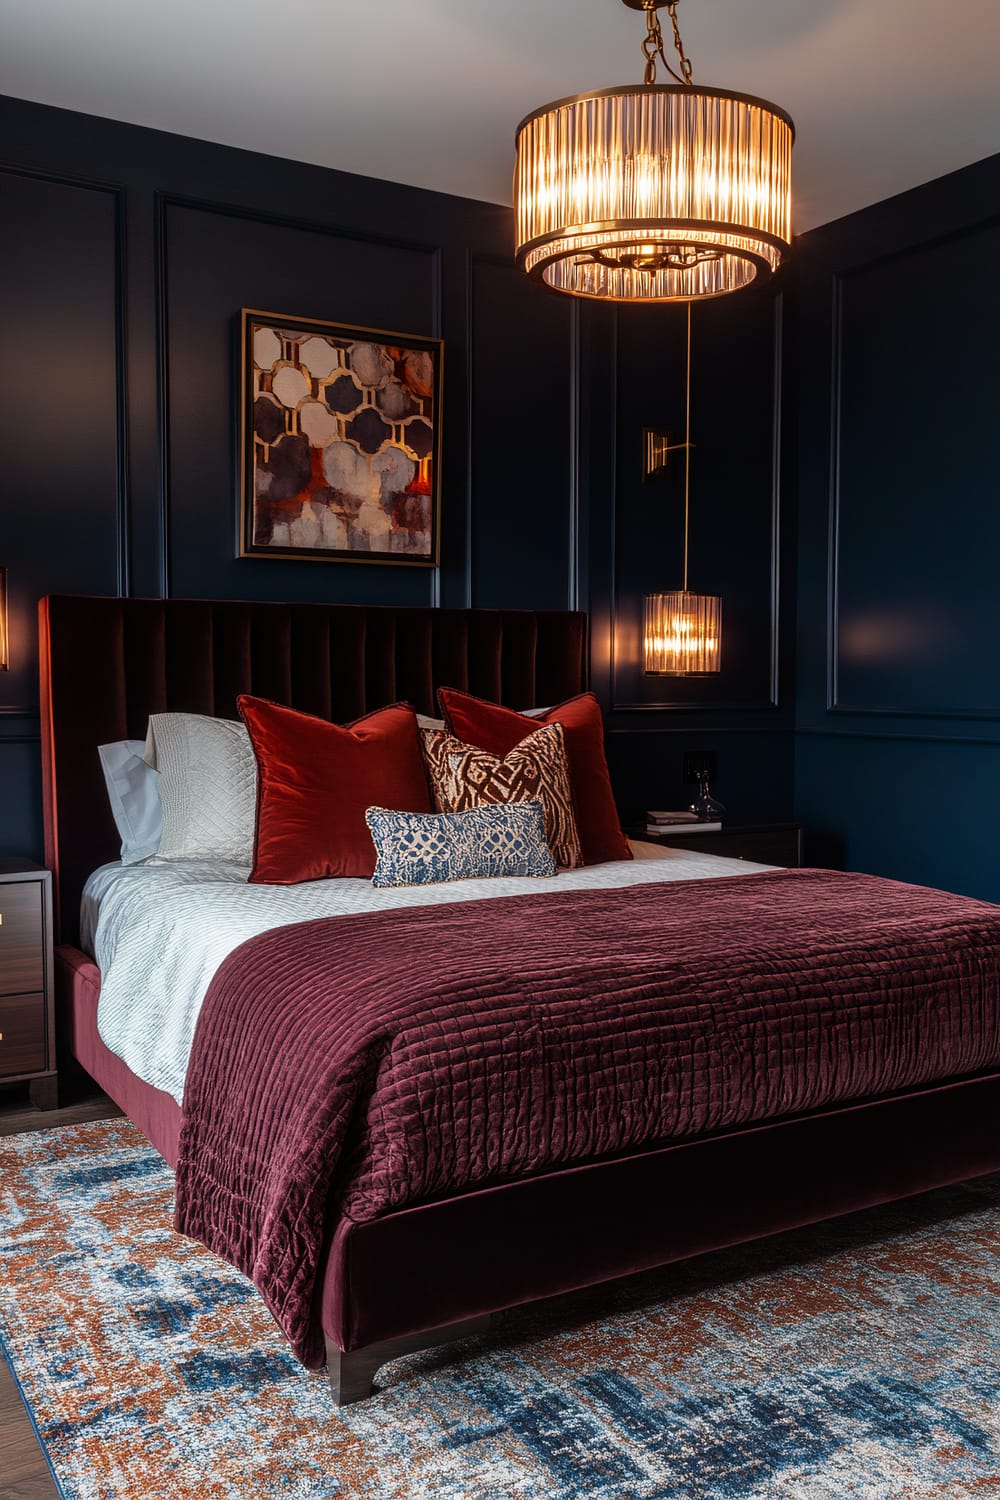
861	391
898	689
126	254
126	258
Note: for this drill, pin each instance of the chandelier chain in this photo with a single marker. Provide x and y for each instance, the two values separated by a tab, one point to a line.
678	44
652	45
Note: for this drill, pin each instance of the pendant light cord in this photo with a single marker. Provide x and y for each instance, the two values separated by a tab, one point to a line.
687	444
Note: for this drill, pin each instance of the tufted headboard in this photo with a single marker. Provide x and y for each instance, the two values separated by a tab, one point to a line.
107	664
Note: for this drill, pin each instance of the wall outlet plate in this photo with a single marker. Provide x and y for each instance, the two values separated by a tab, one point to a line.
699	765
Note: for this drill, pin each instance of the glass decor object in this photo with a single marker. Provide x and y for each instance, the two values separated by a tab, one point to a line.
708	808
654	192
682	634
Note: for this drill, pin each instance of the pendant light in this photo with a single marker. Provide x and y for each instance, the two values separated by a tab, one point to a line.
655	192
682	632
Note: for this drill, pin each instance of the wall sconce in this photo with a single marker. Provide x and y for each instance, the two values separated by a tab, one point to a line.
656	446
4	638
682	632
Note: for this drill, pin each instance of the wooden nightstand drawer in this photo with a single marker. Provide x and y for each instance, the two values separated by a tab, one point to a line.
764	844
764	848
22	1034
22	937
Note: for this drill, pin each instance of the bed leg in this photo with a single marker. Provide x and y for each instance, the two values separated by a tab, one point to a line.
44	1092
352	1373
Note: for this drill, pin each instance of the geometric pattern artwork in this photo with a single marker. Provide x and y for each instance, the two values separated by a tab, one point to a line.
464	776
340	449
852	1360
483	843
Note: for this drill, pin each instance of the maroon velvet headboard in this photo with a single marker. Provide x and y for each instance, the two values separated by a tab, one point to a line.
107	664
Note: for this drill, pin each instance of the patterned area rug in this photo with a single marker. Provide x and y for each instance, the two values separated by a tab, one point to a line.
855	1359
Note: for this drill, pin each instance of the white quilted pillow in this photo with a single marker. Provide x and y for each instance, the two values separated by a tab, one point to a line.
208	787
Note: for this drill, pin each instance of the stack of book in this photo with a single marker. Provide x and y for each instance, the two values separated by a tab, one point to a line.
680	822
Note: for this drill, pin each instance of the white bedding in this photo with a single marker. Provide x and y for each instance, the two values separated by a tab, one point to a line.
159	932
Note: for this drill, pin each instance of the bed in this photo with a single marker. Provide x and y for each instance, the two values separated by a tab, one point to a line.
416	1273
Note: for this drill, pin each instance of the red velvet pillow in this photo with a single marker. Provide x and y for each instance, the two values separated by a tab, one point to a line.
498	730
315	781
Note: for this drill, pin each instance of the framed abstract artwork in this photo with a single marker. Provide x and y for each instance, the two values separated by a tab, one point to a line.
340	442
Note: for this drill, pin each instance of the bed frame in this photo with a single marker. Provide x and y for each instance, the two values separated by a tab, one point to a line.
437	1271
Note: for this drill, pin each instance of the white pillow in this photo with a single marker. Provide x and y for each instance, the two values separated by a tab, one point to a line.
208	787
134	794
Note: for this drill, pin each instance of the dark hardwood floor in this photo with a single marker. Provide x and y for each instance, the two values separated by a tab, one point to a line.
18	1114
24	1473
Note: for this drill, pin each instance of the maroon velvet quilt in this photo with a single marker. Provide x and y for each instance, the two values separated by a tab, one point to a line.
353	1065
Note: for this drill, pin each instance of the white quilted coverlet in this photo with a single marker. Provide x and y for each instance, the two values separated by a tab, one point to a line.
163	929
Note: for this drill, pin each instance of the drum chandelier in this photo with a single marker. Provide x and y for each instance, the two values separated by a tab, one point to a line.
653	193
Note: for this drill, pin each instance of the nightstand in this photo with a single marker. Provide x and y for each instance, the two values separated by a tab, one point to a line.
27	1000
763	843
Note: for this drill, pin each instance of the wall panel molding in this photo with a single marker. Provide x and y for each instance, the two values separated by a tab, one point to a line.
211	262
770	701
437	332
117	195
470	313
606	589
138	282
840	278
300	223
537	474
684	731
896	307
776	496
65	503
161	296
19	724
573	581
844	732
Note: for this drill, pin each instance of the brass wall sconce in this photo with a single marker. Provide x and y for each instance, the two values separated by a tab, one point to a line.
656	449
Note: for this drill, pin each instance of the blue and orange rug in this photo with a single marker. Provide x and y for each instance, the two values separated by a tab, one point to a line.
855	1359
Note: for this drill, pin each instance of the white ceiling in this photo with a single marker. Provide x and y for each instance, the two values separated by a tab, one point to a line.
885	94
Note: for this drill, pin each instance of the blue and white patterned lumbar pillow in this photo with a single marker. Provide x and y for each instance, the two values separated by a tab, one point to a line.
485	843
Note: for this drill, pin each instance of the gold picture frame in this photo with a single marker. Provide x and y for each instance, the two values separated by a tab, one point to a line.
340	442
